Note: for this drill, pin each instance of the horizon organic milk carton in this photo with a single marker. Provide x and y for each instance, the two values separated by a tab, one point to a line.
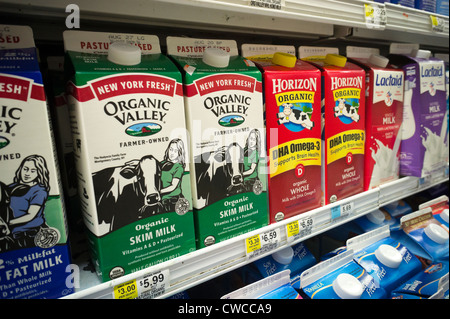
223	100
343	116
131	151
292	111
384	115
423	148
34	251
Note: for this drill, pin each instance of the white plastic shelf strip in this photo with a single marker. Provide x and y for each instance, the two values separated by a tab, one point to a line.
207	263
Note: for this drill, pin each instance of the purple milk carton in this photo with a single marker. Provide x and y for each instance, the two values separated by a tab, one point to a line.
423	147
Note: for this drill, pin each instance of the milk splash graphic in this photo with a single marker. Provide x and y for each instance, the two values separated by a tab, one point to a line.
386	161
436	147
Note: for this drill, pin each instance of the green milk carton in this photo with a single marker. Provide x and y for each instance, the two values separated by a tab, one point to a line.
130	146
224	107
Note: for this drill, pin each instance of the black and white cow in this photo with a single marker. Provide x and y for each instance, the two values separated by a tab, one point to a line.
292	115
220	173
127	193
347	110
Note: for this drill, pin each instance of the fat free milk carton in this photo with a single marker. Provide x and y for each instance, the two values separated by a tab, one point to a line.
131	151
34	252
423	148
223	98
343	123
293	124
384	114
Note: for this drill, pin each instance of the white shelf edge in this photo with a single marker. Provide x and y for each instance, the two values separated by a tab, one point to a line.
207	263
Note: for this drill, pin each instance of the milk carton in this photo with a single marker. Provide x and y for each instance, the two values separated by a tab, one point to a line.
423	148
429	237
439	206
385	259
131	150
292	108
343	115
425	283
340	277
34	252
384	114
223	97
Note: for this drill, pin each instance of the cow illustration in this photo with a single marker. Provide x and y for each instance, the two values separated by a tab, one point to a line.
292	115
346	109
220	173
128	193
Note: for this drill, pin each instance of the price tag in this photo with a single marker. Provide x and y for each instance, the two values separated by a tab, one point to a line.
437	24
262	243
342	210
127	290
268	4
292	230
375	16
148	287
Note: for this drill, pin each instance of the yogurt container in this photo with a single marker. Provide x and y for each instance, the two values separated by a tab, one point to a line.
389	262
131	150
292	94
343	124
340	277
34	249
223	98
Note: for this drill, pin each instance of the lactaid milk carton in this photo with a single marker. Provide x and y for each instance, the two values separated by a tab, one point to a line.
34	252
343	123
423	148
223	98
293	124
384	114
340	277
131	150
276	286
386	260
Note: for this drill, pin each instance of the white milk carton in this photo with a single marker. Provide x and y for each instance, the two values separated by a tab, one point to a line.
223	95
33	236
131	151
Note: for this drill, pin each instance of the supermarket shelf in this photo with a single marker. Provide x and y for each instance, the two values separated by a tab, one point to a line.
202	265
303	18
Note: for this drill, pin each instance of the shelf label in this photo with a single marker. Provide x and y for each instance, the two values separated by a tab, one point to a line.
149	286
375	16
268	4
262	243
437	24
342	210
299	228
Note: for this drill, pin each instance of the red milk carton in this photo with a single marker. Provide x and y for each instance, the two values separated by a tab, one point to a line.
384	114
292	98
343	135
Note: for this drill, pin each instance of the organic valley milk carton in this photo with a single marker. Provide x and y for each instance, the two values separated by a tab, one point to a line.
292	108
223	97
423	148
131	151
33	236
343	116
384	114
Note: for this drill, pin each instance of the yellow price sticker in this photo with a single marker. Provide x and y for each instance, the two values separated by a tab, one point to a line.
292	229
253	243
127	290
